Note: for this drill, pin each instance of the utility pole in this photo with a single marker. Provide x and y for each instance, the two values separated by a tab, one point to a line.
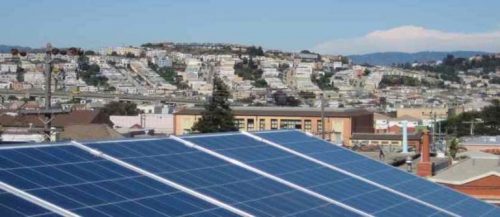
322	116
48	93
48	112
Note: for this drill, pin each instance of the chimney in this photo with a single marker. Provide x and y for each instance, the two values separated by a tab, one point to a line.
424	167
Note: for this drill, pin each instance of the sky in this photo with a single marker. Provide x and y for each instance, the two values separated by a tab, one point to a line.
325	26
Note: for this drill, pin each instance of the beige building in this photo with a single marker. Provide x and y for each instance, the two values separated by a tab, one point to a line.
340	123
426	114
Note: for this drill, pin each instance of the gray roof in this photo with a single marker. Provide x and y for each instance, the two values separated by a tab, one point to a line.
284	111
475	167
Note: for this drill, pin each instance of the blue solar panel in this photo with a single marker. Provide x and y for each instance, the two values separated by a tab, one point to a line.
11	205
325	181
90	186
394	178
231	184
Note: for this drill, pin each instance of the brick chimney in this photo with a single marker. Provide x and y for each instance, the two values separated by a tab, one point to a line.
424	167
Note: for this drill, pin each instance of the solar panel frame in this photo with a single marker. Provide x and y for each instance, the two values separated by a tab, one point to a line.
257	154
12	205
241	192
98	188
394	178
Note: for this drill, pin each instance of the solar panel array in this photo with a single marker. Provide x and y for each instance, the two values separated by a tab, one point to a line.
11	205
90	186
287	174
217	178
394	178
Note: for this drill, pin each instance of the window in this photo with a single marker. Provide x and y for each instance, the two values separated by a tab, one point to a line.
320	126
307	125
291	124
262	124
274	124
250	124
240	123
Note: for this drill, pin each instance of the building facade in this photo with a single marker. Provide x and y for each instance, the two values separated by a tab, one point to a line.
339	124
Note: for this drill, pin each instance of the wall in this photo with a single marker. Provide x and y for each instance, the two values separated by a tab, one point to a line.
422	113
343	126
485	188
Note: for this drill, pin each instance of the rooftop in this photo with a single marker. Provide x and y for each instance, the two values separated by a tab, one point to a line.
283	111
477	166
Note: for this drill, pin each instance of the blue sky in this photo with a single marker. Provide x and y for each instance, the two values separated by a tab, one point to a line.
290	25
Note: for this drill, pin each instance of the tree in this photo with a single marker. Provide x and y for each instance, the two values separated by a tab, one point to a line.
260	83
454	146
217	116
367	72
130	55
121	108
487	121
90	52
281	99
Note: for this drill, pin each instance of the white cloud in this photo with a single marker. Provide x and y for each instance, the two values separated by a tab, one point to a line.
412	39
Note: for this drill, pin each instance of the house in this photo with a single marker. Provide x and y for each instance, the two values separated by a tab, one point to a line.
60	120
159	123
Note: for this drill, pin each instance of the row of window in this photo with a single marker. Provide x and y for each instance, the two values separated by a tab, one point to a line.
284	124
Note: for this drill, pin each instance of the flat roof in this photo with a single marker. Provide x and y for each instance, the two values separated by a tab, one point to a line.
283	111
384	136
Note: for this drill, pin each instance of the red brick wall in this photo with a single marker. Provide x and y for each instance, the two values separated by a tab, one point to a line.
487	187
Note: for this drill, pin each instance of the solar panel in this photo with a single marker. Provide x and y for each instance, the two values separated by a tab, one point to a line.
11	205
394	178
330	183
229	183
90	186
298	175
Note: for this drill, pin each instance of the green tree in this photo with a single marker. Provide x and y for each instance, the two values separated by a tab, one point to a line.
453	147
487	121
167	73
121	108
323	81
260	83
217	116
130	55
90	52
367	72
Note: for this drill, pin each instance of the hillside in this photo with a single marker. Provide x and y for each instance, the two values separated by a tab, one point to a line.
389	58
7	48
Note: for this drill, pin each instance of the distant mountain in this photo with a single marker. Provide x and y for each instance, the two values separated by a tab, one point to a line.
7	48
389	58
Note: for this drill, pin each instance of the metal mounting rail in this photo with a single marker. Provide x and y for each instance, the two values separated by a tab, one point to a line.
258	138
162	180
36	200
270	176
